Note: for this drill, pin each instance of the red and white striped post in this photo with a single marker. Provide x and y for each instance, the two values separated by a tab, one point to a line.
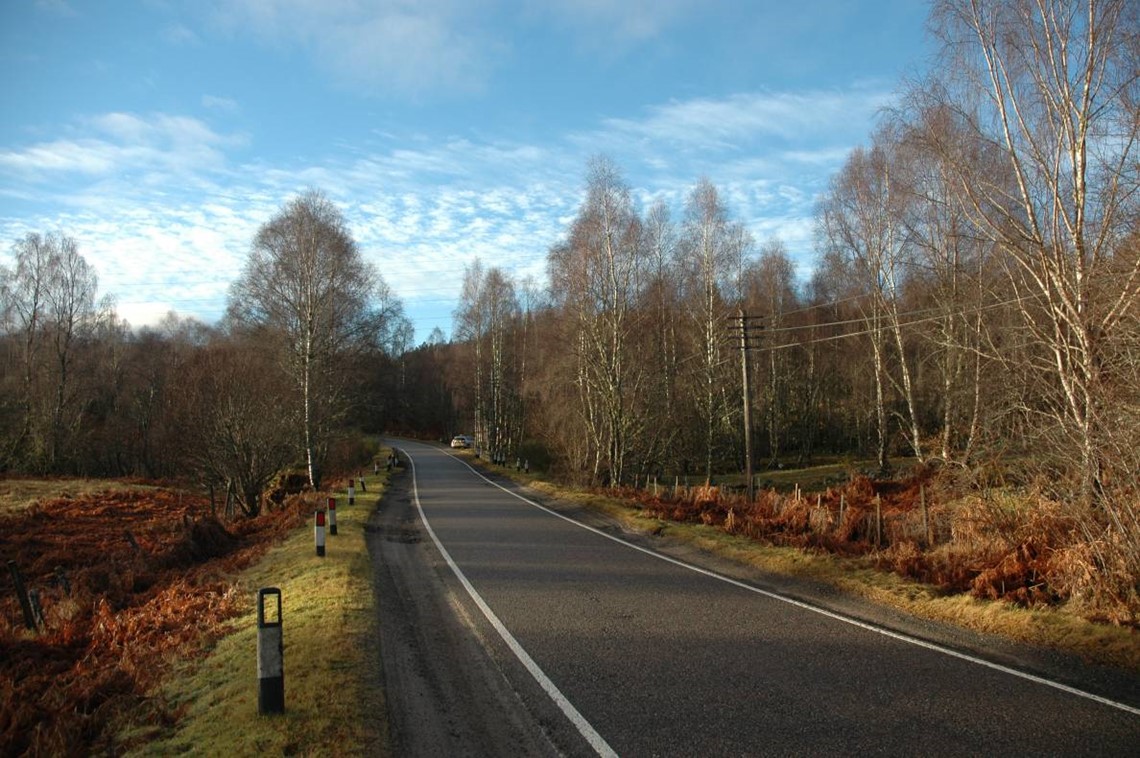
332	516
319	533
351	493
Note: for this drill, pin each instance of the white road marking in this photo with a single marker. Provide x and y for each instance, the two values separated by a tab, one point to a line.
577	719
822	611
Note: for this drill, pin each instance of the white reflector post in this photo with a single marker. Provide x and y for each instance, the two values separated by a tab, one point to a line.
270	652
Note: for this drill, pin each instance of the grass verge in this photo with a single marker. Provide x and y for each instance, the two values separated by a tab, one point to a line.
19	494
1053	628
334	703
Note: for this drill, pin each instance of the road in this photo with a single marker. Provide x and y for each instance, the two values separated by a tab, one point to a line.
509	629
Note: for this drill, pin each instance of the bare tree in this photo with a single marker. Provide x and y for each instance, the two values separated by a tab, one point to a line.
770	292
662	303
862	220
235	432
1054	86
711	252
24	291
306	284
595	277
951	265
486	318
51	298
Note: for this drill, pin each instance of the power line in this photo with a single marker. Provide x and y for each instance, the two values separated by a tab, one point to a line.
834	337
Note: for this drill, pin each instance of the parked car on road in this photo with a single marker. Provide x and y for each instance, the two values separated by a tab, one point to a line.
462	440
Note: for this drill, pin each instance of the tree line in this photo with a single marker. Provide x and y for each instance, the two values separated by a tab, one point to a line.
298	365
974	302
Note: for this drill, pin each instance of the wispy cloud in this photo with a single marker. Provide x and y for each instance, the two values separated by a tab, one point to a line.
415	48
729	122
116	143
602	23
770	153
220	104
181	35
165	207
57	7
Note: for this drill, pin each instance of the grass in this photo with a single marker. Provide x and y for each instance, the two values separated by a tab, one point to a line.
825	472
1054	628
785	480
20	494
334	703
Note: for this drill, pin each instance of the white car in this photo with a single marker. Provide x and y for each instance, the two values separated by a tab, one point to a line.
462	440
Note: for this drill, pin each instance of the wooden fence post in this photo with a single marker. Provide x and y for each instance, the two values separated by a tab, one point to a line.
878	521
22	595
925	515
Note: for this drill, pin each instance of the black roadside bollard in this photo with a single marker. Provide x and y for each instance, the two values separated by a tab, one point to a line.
332	516
270	654
319	532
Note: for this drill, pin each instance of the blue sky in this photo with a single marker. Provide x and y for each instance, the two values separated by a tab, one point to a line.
161	134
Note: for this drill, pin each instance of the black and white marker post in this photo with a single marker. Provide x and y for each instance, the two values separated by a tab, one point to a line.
332	516
270	653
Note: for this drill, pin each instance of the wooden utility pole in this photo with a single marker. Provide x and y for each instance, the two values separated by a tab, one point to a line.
746	344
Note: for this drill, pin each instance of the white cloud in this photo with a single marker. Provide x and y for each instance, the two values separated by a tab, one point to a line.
84	156
391	45
221	104
725	123
603	23
180	35
166	214
154	146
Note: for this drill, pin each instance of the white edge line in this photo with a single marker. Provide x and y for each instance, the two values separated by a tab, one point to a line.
577	719
815	609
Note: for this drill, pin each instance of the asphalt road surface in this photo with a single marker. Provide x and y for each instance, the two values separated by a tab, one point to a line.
509	629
